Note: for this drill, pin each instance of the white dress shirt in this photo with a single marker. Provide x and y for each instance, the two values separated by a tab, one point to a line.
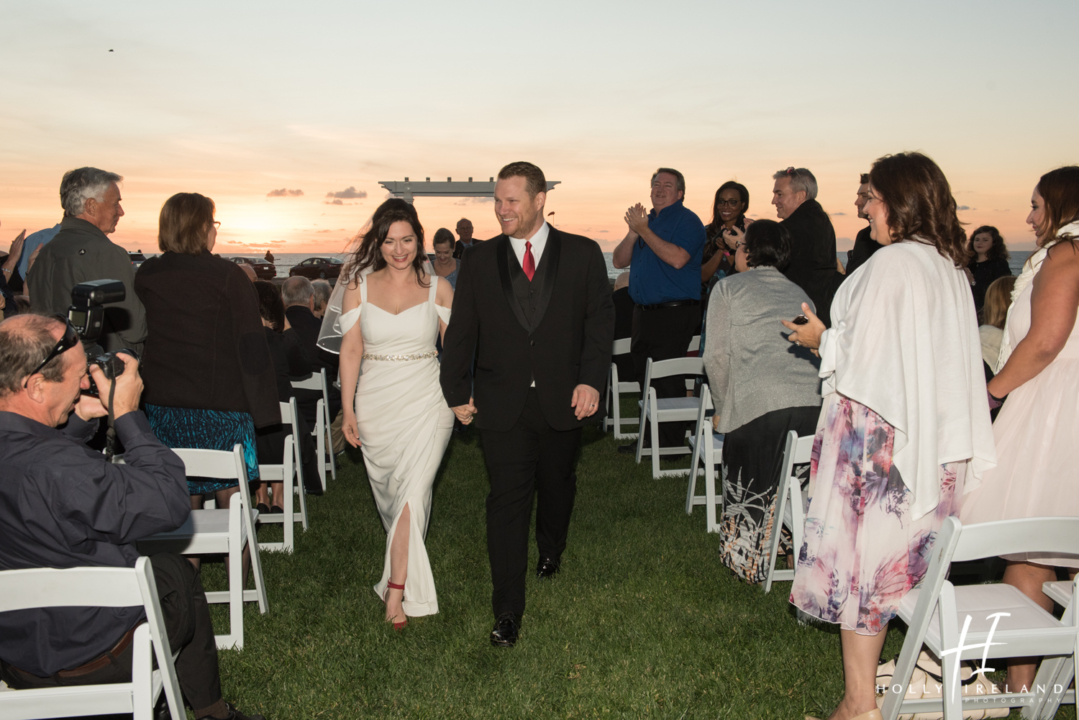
539	241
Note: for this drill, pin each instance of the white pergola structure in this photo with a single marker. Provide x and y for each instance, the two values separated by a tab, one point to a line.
409	189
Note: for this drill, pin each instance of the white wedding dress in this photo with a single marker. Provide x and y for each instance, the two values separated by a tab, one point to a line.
404	425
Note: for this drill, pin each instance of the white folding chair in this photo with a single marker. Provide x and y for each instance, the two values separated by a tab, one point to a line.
694	350
1057	673
96	587
321	431
220	532
655	410
972	622
708	450
790	505
615	388
290	472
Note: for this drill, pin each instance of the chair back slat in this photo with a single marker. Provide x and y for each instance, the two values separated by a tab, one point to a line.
676	366
311	382
71	587
1007	537
621	346
218	464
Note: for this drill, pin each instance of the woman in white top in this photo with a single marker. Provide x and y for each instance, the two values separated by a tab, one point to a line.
395	410
905	424
1039	372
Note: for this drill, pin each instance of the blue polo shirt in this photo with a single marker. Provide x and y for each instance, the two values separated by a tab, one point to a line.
652	281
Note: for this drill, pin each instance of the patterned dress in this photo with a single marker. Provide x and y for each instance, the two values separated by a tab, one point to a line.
862	552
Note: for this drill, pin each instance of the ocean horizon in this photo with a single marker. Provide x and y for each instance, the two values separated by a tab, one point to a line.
285	261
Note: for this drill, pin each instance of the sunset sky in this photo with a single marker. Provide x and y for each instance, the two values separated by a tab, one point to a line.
235	100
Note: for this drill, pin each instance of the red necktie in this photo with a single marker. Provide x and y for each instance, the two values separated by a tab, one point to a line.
529	265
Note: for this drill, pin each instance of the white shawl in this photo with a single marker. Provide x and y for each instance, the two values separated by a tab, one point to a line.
904	342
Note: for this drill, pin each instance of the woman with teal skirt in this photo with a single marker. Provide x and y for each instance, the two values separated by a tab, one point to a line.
207	369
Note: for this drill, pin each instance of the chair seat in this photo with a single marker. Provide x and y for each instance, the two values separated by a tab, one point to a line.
676	409
204	531
1013	633
717	442
1059	592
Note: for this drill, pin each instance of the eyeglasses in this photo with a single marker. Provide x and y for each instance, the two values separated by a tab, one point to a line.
68	341
734	202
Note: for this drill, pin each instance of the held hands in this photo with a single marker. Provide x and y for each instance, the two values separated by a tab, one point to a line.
807	335
637	218
585	399
464	413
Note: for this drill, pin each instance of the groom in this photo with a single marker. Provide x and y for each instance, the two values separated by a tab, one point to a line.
534	307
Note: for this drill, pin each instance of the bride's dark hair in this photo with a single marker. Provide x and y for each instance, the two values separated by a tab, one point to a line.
368	253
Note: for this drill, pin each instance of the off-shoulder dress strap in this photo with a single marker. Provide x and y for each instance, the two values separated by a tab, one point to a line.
443	312
349	318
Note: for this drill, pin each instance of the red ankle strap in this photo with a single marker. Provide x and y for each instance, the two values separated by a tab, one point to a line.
395	586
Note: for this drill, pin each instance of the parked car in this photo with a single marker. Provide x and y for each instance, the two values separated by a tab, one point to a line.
317	268
137	258
263	270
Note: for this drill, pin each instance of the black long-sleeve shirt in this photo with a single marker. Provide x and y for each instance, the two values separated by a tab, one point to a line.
63	505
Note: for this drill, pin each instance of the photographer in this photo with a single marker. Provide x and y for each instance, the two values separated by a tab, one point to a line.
64	506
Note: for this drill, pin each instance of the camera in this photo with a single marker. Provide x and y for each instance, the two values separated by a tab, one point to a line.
87	315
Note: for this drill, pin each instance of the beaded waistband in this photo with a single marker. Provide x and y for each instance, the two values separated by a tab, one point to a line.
394	358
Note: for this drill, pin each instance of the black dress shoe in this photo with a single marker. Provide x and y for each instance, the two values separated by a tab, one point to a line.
547	568
505	631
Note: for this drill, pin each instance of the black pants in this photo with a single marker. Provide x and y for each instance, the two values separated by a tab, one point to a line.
187	624
663	334
529	458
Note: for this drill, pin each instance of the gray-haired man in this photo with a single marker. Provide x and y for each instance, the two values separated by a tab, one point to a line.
813	259
82	252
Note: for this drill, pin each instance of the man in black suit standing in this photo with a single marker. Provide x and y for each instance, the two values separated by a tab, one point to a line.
812	266
534	304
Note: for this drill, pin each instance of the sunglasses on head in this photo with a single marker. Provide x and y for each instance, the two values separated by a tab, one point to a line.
68	341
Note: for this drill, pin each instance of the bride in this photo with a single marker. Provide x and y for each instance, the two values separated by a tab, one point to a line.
395	411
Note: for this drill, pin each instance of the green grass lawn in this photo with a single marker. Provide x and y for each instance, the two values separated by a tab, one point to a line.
642	621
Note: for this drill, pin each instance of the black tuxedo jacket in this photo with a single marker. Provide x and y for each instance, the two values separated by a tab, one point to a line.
556	329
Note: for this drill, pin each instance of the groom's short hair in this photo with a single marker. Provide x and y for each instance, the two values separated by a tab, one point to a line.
535	181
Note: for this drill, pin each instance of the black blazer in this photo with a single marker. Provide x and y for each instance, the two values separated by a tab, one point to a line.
307	328
813	258
205	345
565	343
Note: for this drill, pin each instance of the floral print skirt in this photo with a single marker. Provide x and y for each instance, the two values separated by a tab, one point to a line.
862	552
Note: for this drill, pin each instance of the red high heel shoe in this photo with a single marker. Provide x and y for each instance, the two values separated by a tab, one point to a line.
398	626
